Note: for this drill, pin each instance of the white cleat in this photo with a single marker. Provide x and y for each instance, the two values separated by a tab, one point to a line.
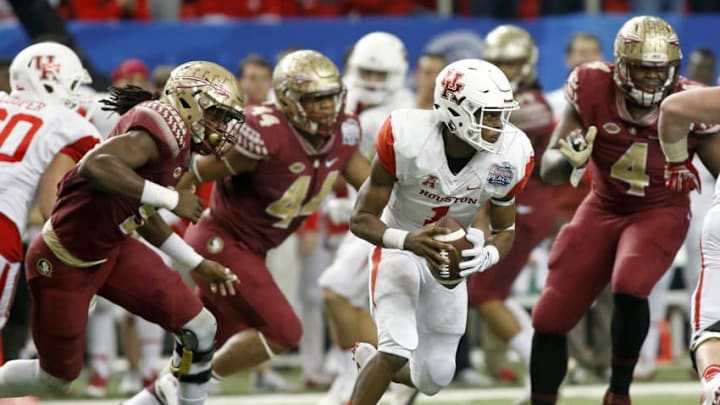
362	353
166	389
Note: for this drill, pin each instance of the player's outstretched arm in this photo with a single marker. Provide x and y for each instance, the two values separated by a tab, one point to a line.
205	168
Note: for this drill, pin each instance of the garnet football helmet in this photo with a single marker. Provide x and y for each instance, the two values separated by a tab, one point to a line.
50	72
209	99
646	42
380	52
467	89
510	43
307	75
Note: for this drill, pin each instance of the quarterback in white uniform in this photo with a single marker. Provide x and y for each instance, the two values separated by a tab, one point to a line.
41	138
375	77
452	161
677	112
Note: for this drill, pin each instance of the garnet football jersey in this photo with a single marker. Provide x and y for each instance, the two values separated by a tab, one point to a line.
410	146
628	164
89	222
265	206
32	133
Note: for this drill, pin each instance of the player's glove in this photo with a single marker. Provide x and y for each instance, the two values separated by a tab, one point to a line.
339	210
682	176
577	147
480	257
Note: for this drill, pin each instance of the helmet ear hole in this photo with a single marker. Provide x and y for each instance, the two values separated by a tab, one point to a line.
48	88
184	103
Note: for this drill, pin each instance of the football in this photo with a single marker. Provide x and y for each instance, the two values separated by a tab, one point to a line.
449	275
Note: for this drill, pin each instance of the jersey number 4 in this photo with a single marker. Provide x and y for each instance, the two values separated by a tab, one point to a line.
632	169
16	133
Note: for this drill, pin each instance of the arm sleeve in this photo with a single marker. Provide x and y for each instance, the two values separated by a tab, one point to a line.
385	145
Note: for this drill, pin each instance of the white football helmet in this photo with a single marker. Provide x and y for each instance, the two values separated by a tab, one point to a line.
467	89
50	72
376	51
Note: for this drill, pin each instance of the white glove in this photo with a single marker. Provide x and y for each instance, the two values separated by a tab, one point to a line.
339	210
577	147
479	257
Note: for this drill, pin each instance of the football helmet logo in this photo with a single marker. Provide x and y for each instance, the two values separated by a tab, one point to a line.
209	99
646	42
478	87
303	76
49	72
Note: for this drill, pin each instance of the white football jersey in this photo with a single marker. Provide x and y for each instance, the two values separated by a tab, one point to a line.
427	190
31	134
372	119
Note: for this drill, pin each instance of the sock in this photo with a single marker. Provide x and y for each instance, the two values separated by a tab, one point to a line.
100	343
548	365
151	337
630	322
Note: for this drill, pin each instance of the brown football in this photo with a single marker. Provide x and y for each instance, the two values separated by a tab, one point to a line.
449	275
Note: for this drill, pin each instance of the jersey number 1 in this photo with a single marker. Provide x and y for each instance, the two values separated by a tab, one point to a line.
16	133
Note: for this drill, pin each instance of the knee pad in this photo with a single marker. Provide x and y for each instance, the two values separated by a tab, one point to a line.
194	348
434	375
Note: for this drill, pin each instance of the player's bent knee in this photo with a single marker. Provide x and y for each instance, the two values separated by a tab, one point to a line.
435	375
194	348
203	327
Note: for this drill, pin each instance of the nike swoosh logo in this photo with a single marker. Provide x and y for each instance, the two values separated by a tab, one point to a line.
474	188
329	163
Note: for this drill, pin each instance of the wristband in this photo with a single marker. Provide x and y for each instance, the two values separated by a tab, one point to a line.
493	255
175	247
159	196
394	238
675	152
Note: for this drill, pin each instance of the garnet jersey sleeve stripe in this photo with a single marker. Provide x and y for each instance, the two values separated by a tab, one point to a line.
78	149
520	185
385	146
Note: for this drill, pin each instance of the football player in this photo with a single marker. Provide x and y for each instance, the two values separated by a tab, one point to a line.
677	113
609	125
285	163
86	248
375	76
42	138
485	160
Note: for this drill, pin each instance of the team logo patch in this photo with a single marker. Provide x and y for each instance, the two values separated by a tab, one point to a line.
297	167
501	174
611	128
350	132
430	181
44	267
177	172
215	245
